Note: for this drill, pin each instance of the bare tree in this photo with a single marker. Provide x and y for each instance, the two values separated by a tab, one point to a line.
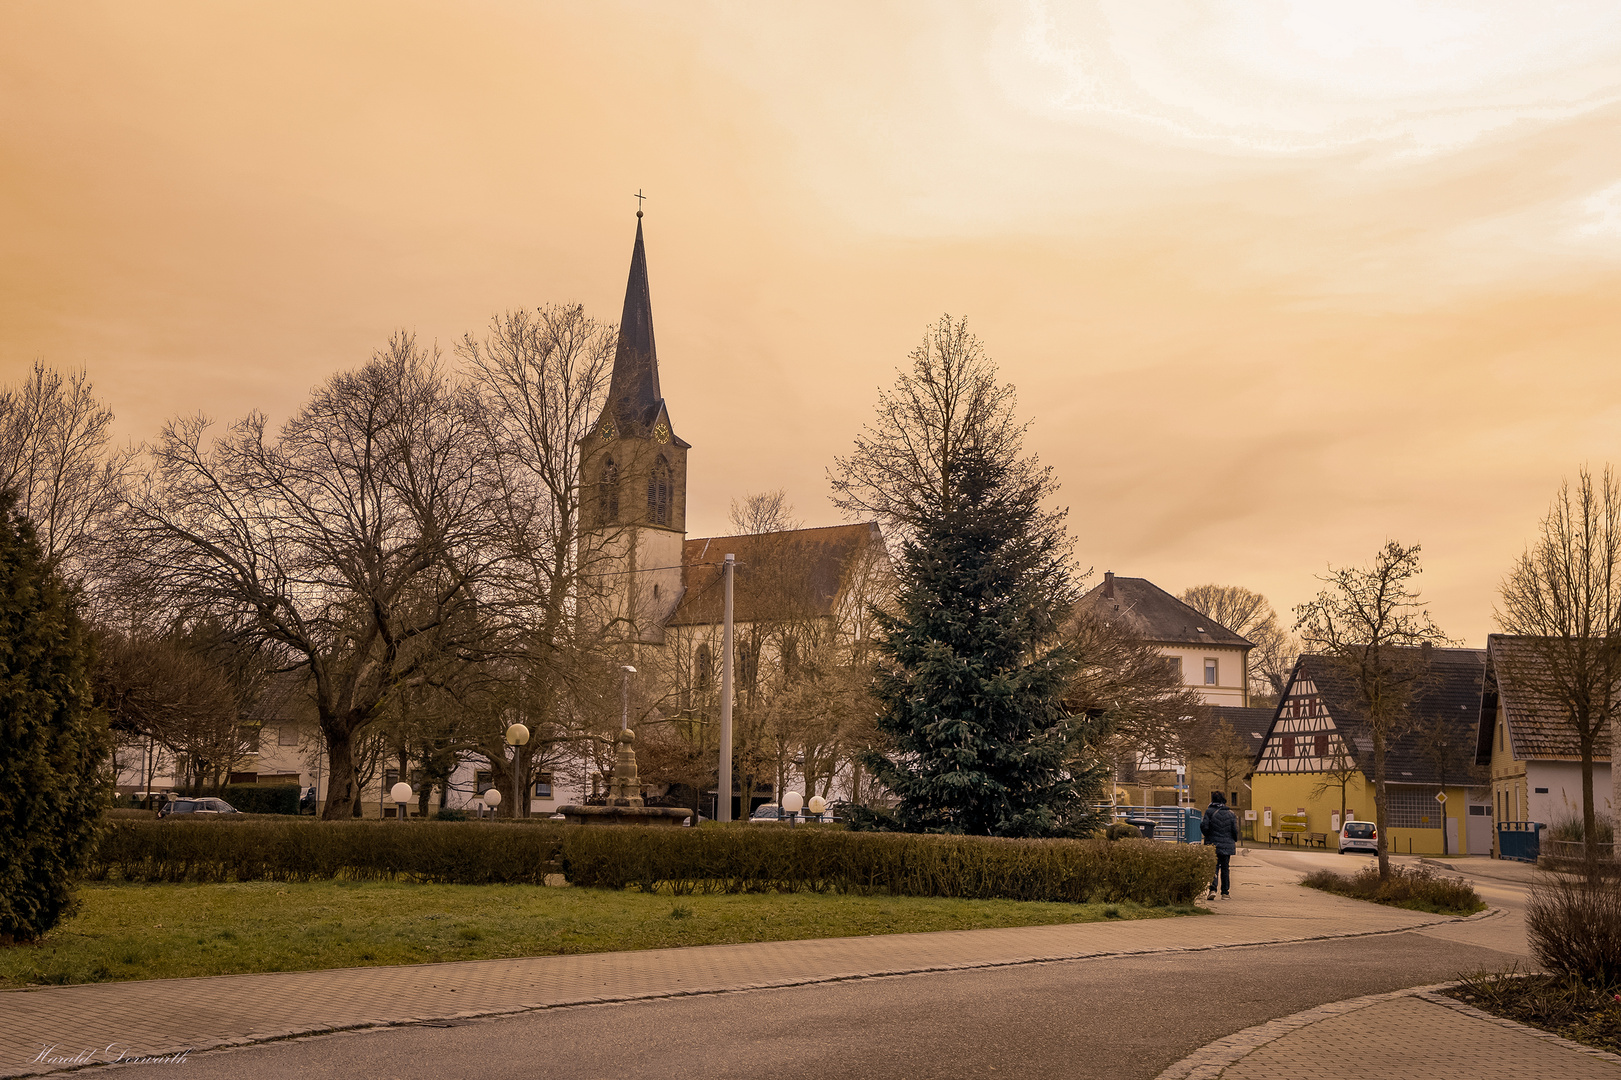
157	688
354	541
1340	772
906	464
1562	598
1223	755
1372	629
1249	615
765	512
56	453
1136	703
542	376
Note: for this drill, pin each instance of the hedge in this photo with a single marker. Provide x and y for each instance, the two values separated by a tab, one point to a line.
467	853
899	864
263	798
681	861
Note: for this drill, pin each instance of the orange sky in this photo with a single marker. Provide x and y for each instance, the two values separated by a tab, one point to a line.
1276	280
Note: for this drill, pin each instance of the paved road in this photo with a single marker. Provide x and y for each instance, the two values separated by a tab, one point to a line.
1116	1018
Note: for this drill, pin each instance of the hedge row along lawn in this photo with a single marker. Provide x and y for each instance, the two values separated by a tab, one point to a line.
173	931
712	859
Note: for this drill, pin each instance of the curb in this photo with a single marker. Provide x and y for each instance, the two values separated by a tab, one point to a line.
1209	1061
261	1038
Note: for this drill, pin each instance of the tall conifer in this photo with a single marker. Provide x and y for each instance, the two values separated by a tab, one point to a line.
972	680
53	745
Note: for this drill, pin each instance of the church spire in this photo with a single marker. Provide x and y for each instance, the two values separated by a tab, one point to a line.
633	389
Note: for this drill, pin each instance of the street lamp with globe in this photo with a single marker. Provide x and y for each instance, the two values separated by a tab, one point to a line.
816	805
792	802
401	794
492	799
517	737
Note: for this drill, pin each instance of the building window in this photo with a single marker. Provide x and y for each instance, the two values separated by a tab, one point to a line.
1542	791
1320	745
608	494
1288	746
287	735
1406	808
543	786
1176	665
250	739
1209	672
658	492
482	782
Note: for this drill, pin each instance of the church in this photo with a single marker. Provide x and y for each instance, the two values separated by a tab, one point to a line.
801	596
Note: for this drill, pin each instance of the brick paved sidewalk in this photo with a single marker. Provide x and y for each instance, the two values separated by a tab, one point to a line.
168	1016
1412	1034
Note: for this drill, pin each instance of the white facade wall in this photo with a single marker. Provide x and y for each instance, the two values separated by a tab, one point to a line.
1231	685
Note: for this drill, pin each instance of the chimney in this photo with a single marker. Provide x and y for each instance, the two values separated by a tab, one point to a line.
1108	584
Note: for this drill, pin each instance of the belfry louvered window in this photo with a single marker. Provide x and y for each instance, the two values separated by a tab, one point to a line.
658	493
608	494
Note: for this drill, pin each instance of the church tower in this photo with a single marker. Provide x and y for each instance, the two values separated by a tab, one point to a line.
633	483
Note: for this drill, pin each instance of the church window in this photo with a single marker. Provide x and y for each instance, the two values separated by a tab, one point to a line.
608	494
703	668
658	492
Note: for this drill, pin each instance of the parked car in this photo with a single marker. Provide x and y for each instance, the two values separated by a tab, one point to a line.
1359	836
196	808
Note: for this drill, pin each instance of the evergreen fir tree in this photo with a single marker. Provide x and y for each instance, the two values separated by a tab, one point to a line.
53	744
972	680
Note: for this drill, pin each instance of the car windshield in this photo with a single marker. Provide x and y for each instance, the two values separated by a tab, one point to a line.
182	806
219	806
1360	830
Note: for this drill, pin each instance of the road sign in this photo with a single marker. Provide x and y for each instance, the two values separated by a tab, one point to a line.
1441	797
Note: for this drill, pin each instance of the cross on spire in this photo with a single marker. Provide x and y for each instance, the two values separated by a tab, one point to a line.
640	198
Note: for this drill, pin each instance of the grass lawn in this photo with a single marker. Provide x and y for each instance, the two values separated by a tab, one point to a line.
173	931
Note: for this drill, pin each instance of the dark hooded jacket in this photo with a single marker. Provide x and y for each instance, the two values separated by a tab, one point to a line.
1220	827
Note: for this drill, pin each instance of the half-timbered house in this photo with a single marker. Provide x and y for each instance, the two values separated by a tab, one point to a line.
1318	757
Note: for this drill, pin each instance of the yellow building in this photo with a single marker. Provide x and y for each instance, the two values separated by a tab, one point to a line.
1317	758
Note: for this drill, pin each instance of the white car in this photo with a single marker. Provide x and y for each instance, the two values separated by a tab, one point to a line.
1359	836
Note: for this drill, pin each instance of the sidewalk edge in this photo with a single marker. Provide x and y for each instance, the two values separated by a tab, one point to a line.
1207	1062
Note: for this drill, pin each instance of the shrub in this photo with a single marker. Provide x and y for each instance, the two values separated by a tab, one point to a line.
1556	1003
1418	888
684	861
1121	831
263	799
461	853
448	814
52	742
1574	929
1570	829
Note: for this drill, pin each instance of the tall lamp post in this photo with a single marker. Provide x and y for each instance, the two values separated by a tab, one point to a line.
517	736
624	697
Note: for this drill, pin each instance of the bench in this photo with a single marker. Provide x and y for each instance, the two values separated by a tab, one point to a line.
1319	838
1281	838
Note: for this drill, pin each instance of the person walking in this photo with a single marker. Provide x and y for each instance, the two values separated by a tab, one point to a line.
1220	828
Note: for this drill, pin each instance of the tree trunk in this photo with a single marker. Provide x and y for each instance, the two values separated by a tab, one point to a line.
1379	815
342	790
1589	815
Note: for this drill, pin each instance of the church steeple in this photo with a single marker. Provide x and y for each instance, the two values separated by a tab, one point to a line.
633	390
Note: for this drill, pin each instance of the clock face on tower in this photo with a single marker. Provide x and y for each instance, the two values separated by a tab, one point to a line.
606	431
662	432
